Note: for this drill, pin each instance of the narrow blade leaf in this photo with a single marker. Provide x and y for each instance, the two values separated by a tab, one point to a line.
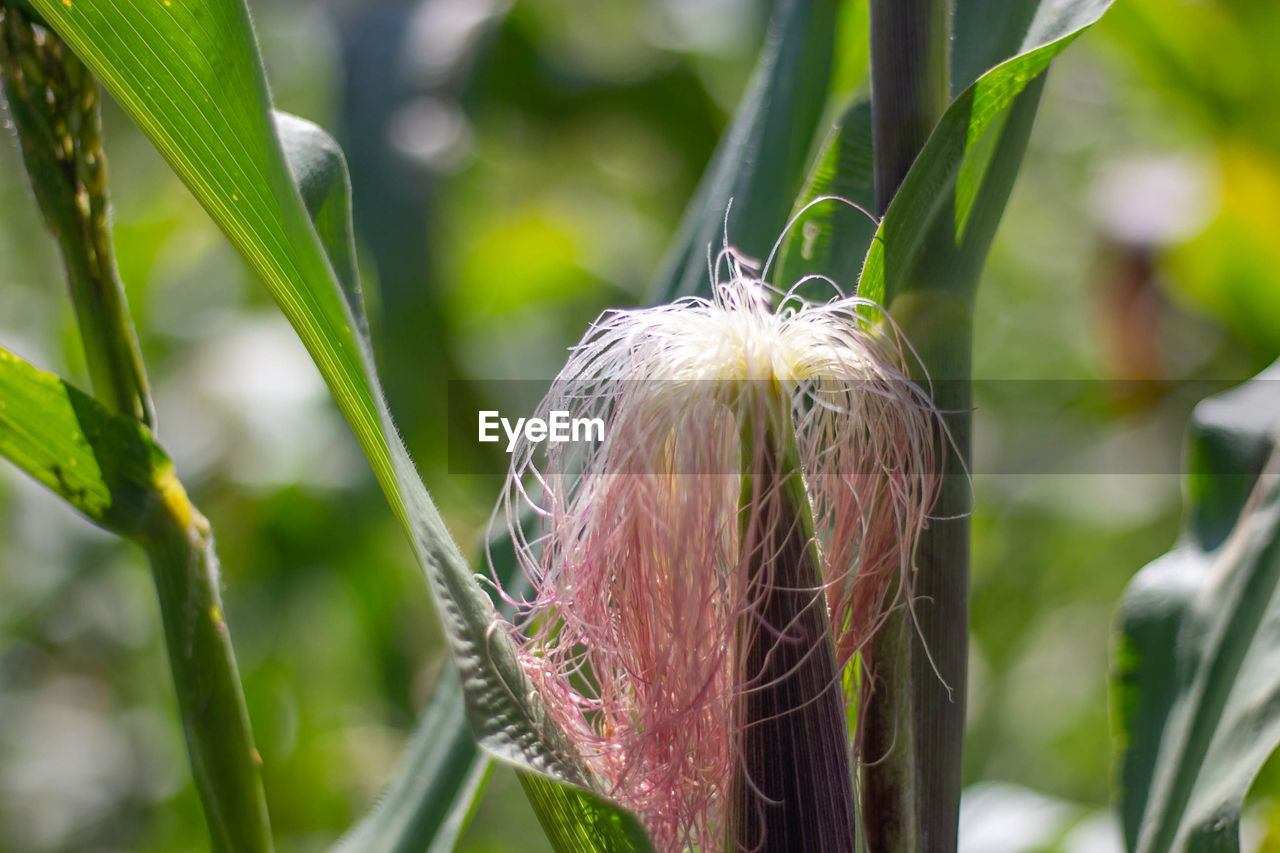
760	162
1196	685
106	466
441	775
936	232
830	238
987	32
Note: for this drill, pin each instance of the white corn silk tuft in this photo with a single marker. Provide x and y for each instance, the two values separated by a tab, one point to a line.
638	568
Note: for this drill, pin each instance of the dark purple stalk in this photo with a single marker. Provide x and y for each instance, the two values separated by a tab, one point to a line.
909	84
793	787
914	716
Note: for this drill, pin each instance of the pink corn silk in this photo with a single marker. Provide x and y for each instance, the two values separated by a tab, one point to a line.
645	583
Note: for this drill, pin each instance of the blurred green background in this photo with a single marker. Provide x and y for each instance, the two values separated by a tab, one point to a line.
517	167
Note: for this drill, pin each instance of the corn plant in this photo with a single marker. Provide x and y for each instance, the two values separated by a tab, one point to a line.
851	737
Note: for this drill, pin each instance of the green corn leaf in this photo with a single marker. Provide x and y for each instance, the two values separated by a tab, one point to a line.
107	467
978	145
578	821
937	230
936	233
760	162
427	804
433	794
1196	683
987	32
189	73
442	773
830	238
320	171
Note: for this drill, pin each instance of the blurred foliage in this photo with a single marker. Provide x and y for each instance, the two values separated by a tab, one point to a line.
516	168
